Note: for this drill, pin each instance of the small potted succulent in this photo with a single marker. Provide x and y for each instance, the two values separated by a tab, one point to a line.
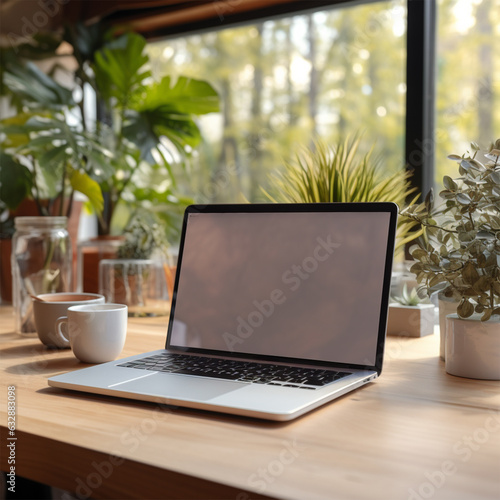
458	255
409	315
137	277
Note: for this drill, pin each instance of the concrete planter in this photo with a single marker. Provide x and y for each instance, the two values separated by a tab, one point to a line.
473	347
411	321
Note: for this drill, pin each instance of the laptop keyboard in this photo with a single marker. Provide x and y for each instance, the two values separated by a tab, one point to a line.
242	371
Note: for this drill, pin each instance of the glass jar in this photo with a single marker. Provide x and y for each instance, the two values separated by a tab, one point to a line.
41	263
141	284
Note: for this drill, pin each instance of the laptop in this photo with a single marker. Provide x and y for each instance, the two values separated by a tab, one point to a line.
276	310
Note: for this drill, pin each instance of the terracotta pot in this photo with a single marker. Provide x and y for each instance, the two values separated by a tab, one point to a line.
473	347
5	271
90	253
170	277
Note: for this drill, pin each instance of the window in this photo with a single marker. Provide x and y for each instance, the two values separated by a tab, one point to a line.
285	81
468	79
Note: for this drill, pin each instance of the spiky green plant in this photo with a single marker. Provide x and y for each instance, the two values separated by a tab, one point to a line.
340	174
407	298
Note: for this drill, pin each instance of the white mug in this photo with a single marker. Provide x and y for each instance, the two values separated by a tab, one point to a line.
96	333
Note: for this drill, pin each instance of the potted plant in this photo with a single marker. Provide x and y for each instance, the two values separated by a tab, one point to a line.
138	276
409	316
459	256
115	129
41	152
340	173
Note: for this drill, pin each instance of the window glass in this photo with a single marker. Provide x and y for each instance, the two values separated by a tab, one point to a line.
283	82
468	79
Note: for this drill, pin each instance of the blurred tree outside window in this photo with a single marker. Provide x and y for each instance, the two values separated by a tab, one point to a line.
326	74
468	79
283	82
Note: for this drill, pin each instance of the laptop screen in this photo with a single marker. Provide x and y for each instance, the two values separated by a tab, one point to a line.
291	284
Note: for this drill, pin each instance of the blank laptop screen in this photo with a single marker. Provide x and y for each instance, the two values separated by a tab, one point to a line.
296	285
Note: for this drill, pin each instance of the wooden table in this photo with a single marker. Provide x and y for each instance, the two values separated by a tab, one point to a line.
416	433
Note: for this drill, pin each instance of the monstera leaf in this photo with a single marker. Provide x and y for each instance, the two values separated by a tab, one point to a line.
35	87
16	181
119	69
187	96
169	110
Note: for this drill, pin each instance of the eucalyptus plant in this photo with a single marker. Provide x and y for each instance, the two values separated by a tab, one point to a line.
340	173
458	253
114	134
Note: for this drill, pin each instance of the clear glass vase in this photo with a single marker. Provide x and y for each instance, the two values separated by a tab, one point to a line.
41	263
141	284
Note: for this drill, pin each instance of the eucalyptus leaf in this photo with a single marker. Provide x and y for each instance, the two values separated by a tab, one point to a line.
464	198
495	177
465	309
487	314
438	278
449	183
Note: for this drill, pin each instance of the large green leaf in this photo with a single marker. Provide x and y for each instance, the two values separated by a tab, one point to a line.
53	158
15	133
145	129
86	40
49	181
37	88
82	182
15	181
119	68
187	96
26	123
181	130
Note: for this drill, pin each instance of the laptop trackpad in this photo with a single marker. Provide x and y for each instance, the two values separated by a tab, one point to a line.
169	385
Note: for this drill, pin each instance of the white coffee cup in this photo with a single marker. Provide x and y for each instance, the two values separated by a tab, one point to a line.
50	306
95	332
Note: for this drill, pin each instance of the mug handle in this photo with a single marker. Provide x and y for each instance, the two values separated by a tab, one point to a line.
63	320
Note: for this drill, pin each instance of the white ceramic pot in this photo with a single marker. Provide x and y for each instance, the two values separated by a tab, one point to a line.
473	347
446	306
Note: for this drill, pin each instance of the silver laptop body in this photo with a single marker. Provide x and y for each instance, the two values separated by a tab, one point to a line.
302	289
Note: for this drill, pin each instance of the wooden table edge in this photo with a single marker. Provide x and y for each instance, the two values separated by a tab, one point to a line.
84	473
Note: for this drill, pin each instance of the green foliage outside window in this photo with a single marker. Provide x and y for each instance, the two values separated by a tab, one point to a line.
286	82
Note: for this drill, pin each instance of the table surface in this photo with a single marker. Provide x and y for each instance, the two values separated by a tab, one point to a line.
415	433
